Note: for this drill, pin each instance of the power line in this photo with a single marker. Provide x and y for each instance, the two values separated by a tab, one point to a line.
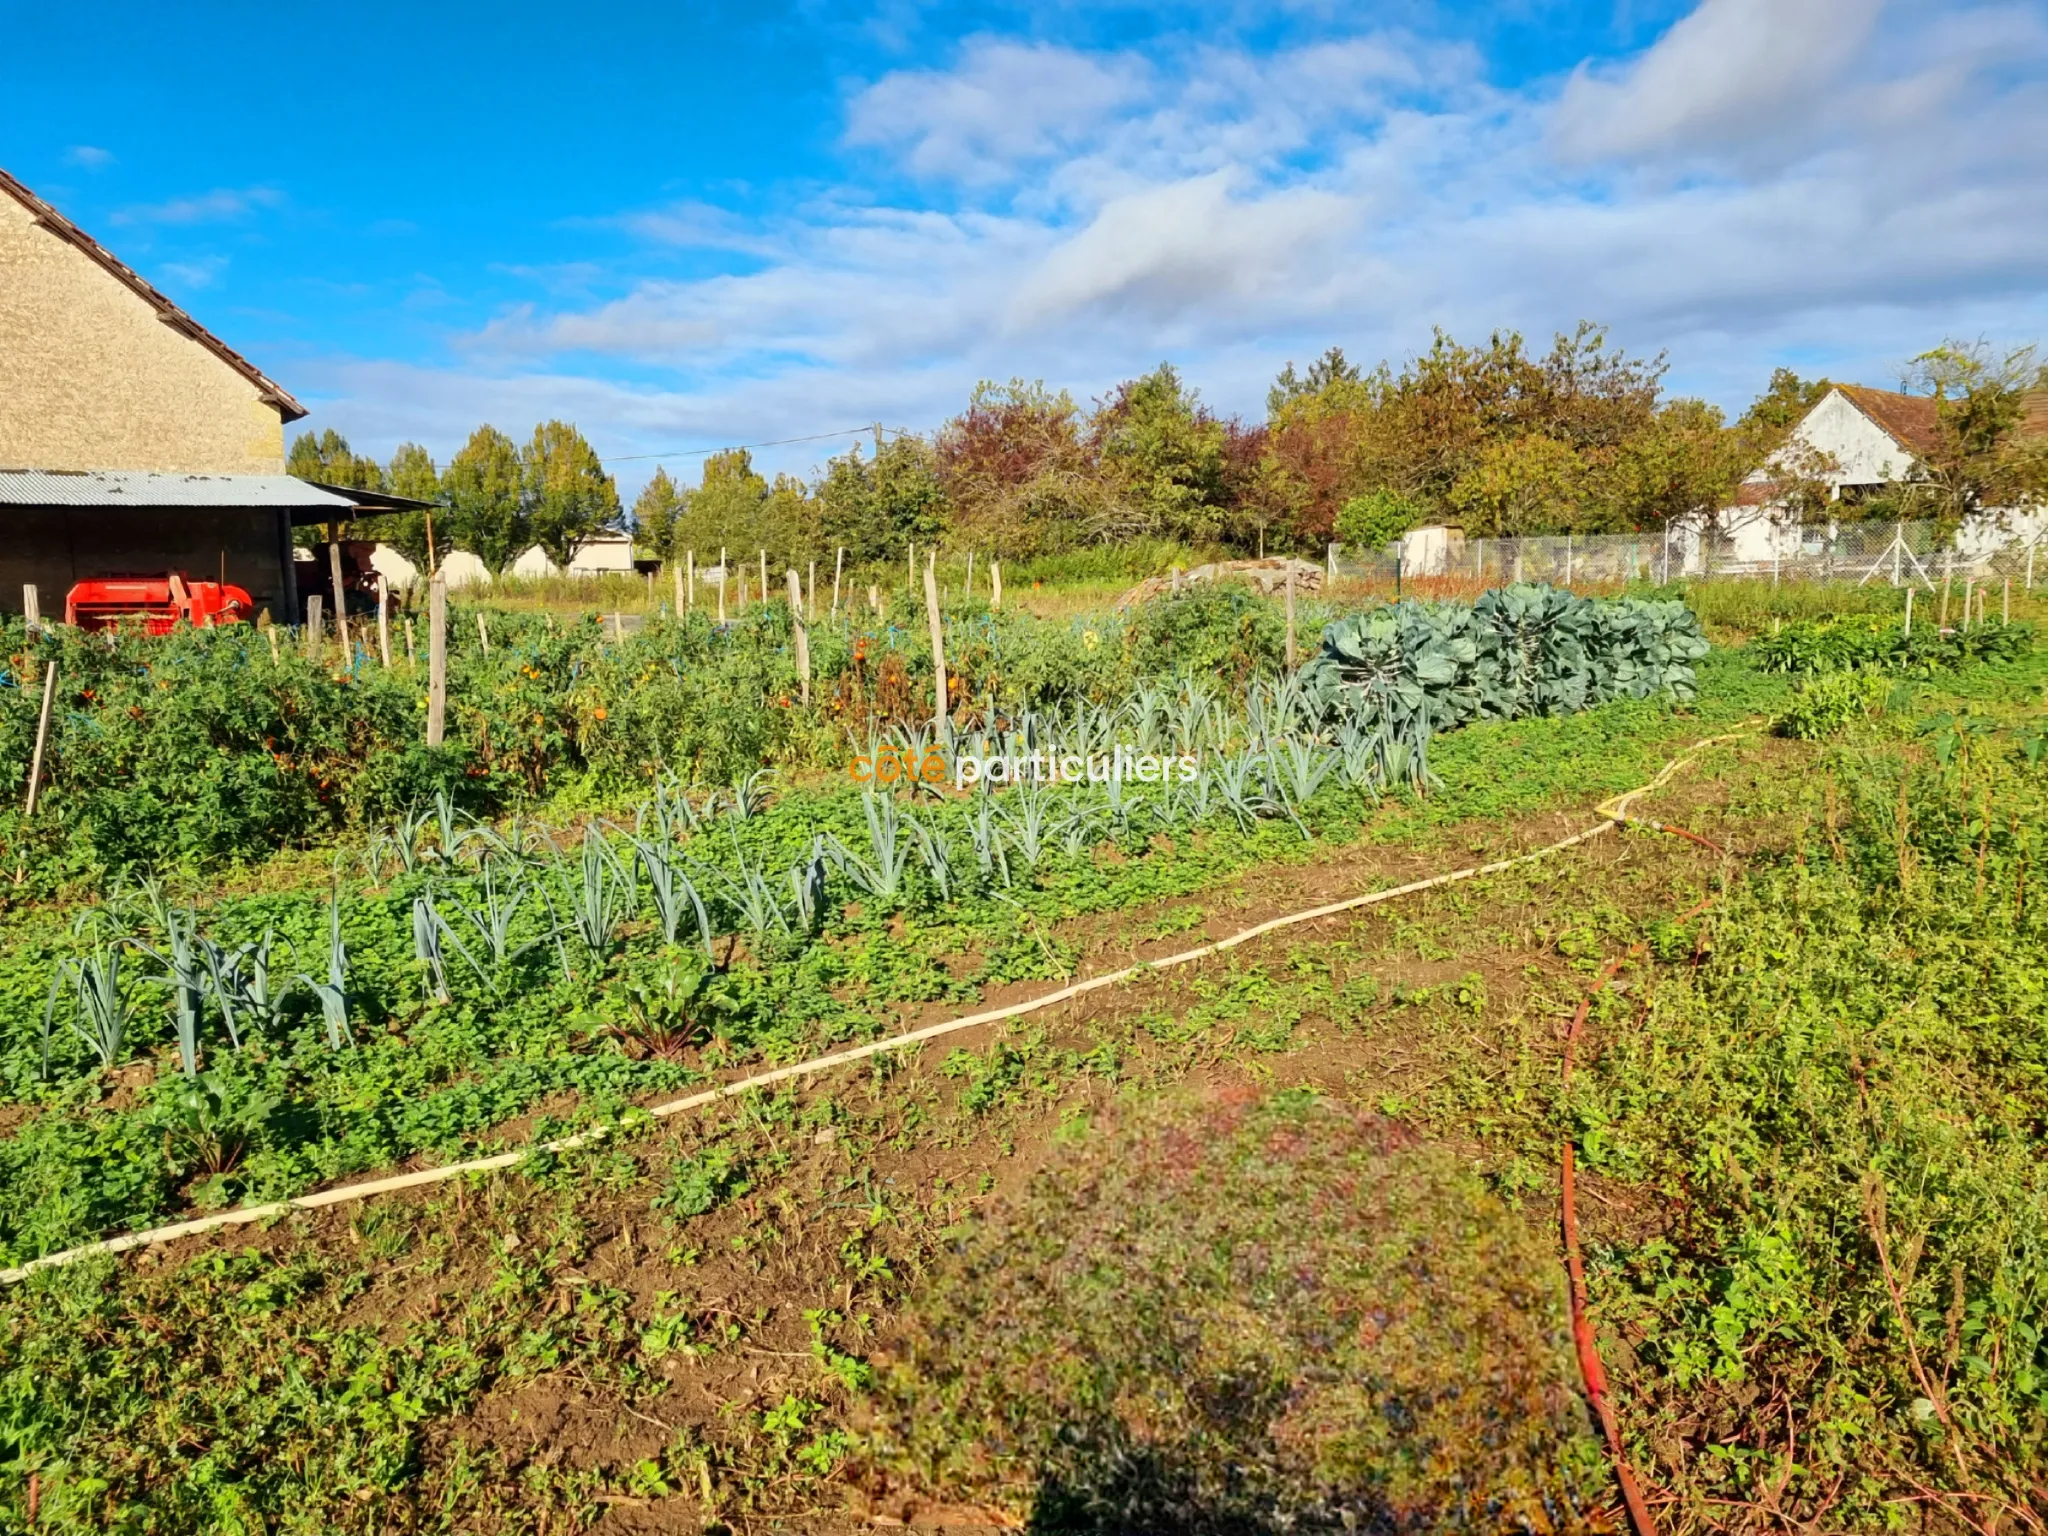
779	442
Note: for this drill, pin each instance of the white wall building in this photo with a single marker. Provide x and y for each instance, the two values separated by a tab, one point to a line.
1858	442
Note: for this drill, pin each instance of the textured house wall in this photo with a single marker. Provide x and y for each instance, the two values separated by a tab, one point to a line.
53	547
90	378
1863	451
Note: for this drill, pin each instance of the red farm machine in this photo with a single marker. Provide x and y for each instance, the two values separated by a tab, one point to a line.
161	602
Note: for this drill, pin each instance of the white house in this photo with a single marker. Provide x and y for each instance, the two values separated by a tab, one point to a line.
1857	442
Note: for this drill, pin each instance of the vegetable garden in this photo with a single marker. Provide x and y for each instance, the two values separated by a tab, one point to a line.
261	942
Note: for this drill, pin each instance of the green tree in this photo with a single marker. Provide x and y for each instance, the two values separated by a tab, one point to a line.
411	473
485	487
1684	464
327	460
1982	458
725	510
1377	518
655	511
1524	485
1326	374
1164	455
876	507
567	493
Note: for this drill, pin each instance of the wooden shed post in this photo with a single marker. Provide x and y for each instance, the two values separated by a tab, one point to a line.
32	620
340	601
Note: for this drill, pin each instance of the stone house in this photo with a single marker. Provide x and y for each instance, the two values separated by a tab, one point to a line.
132	439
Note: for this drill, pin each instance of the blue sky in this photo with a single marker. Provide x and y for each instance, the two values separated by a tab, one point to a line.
686	226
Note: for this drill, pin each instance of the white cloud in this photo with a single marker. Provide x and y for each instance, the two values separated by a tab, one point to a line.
1156	255
1005	105
200	273
220	206
89	157
1732	70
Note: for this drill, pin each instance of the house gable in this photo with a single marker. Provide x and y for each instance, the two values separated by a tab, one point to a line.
100	371
1864	449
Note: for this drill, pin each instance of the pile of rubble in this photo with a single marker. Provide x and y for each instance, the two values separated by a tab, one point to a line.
1267	577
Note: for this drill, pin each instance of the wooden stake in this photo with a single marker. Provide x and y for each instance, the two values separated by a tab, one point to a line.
2005	610
437	659
35	765
677	571
721	586
1948	576
384	620
1291	658
800	631
838	569
618	627
874	600
312	625
271	630
1969	591
938	633
968	594
31	621
995	583
483	634
412	655
764	575
691	583
340	602
1909	612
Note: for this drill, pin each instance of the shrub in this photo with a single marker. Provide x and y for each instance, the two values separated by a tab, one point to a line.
1376	519
1824	704
1248	1317
1857	641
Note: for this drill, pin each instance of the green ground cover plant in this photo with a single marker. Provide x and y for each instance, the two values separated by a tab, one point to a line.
1810	1120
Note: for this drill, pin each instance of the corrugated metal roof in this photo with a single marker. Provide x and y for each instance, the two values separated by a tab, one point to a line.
144	488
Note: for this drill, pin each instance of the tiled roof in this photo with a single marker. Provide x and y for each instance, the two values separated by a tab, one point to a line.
1908	419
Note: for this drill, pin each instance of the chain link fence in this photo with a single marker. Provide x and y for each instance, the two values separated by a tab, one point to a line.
1897	554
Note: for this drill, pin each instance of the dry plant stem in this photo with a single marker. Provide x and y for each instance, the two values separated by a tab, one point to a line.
1874	1218
1613	813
